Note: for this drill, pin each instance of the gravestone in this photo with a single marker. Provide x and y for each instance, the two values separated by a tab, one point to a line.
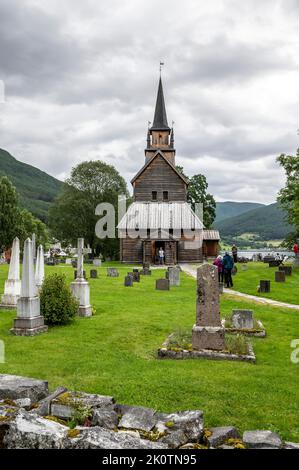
208	332
135	270
12	287
80	287
242	319
128	281
97	262
40	267
93	274
76	274
29	321
74	263
274	264
112	272
136	276
287	270
162	284
173	274
280	276
268	258
146	265
68	261
33	240
264	286
145	272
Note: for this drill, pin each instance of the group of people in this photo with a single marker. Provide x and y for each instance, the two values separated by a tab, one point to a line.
225	266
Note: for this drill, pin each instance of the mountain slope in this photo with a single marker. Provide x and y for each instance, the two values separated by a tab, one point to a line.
266	221
36	188
227	209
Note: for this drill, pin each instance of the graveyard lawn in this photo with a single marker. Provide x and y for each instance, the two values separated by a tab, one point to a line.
247	282
114	353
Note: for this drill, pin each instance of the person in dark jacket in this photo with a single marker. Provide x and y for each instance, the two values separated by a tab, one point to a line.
235	253
228	264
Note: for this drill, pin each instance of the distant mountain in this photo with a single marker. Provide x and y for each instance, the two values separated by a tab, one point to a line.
225	210
267	221
36	188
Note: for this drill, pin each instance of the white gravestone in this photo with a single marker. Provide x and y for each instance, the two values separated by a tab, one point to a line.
80	287
40	267
12	289
29	321
33	241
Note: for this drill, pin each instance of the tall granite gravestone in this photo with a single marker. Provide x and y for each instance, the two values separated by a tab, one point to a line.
173	274
80	287
280	276
208	333
12	288
40	267
29	321
242	319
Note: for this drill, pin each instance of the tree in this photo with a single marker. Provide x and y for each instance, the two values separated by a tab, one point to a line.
28	225
288	196
9	213
197	193
72	215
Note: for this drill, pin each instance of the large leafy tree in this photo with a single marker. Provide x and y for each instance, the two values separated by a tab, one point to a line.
197	193
14	221
9	212
72	215
289	195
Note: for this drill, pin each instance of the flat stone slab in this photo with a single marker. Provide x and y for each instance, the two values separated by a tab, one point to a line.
221	434
183	426
29	431
99	438
107	419
14	387
291	445
63	405
258	333
262	440
138	417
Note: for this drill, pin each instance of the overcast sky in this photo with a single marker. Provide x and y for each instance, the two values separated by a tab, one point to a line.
81	81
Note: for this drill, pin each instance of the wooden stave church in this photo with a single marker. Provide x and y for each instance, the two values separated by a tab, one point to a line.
159	199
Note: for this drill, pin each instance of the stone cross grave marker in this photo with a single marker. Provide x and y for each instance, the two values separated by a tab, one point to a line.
12	288
80	287
208	332
29	321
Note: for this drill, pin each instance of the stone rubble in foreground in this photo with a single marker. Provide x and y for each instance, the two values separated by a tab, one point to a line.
33	418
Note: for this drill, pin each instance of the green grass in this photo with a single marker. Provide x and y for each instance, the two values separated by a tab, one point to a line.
247	281
114	353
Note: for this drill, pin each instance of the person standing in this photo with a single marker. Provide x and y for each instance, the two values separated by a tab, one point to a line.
235	253
228	264
161	255
218	263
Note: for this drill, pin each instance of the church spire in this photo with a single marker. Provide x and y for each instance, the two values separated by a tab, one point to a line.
160	118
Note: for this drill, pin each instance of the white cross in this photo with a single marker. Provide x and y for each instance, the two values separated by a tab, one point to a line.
81	251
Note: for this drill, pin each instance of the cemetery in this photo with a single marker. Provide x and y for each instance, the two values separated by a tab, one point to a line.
117	352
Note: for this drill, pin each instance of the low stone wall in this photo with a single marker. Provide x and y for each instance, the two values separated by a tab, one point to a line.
31	417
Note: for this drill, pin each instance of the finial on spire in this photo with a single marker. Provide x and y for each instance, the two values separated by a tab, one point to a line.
161	65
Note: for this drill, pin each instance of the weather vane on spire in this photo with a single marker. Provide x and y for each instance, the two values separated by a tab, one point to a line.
161	65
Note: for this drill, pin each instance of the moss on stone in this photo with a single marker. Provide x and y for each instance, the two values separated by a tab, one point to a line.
169	424
56	420
236	443
73	433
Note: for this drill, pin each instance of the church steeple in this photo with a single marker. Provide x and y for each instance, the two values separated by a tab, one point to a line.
160	118
160	136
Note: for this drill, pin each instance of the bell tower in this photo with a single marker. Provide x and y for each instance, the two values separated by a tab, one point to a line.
160	136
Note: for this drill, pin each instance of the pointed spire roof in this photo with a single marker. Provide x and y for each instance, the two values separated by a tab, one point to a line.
160	118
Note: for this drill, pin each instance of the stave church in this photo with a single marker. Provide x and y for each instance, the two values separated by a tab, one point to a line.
160	216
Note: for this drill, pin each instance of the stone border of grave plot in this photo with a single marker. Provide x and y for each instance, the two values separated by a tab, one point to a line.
257	333
179	353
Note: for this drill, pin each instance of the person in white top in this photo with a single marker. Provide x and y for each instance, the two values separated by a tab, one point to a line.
161	255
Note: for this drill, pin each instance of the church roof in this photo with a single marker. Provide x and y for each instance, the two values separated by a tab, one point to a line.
159	152
211	235
160	215
160	118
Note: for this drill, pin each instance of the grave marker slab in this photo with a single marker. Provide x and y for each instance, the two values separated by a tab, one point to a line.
93	274
162	284
112	272
242	319
280	276
264	286
208	332
288	270
173	274
128	281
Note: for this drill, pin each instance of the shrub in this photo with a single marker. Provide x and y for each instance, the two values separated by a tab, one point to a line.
58	305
